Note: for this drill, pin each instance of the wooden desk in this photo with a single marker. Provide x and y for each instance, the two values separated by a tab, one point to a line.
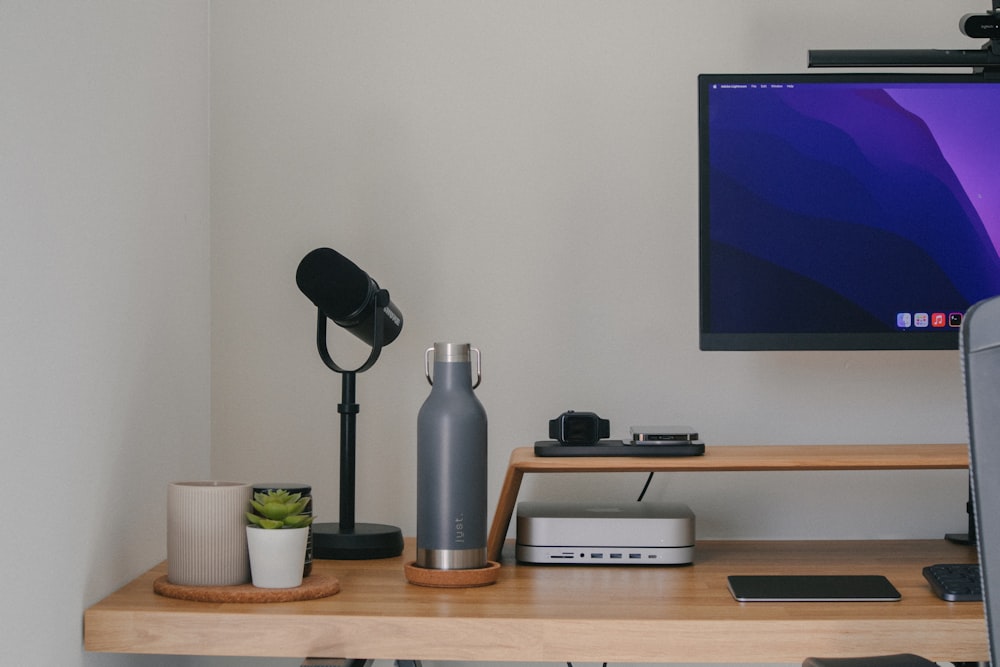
722	458
575	612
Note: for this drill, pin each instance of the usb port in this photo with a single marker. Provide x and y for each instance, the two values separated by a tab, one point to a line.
597	555
616	555
635	555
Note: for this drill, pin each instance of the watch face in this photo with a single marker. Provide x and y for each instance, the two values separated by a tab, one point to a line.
580	430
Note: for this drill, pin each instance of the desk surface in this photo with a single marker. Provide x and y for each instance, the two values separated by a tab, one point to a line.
577	612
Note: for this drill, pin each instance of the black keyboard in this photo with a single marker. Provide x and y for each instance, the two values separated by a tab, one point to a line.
955	582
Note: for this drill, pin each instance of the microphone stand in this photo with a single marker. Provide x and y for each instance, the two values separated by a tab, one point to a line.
348	540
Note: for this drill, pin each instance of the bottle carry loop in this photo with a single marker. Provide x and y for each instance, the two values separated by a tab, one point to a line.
427	366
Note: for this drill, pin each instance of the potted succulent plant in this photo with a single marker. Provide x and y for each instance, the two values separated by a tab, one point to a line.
276	538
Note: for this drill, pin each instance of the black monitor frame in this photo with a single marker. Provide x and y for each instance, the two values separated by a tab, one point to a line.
946	339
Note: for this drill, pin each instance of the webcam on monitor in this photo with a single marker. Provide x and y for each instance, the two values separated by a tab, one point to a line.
985	61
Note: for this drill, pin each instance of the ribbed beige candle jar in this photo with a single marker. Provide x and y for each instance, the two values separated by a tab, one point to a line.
206	534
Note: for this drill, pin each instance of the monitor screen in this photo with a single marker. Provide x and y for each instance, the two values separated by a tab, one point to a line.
846	212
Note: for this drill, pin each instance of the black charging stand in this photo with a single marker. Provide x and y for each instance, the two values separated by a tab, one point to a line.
348	540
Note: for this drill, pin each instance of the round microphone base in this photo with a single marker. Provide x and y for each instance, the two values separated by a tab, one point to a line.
365	541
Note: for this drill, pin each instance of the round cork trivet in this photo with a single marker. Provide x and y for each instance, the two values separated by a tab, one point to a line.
423	576
313	587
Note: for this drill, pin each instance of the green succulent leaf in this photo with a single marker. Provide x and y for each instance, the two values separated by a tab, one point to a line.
298	521
279	509
274	510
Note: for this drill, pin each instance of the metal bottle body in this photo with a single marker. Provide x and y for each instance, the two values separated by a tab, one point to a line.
451	466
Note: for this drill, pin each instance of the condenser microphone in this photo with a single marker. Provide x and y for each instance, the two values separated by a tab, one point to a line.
346	295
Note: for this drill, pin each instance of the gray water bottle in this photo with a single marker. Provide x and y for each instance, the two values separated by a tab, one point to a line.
451	463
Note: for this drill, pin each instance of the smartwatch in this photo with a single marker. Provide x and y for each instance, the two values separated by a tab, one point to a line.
579	428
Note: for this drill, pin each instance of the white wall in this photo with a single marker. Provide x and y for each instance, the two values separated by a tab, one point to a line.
104	270
520	175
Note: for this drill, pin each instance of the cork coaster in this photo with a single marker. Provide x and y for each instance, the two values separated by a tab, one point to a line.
313	587
422	576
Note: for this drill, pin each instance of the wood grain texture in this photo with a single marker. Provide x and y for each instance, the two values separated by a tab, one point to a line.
574	612
760	457
724	458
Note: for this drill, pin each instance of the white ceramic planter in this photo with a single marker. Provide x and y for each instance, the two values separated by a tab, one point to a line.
276	556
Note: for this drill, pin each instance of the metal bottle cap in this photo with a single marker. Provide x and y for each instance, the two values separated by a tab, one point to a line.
452	353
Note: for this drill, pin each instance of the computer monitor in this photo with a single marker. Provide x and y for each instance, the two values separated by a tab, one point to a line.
844	211
980	345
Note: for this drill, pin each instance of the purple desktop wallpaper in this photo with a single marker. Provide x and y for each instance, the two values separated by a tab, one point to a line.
850	207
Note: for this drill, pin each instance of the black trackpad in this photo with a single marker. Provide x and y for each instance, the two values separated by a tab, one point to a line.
812	588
